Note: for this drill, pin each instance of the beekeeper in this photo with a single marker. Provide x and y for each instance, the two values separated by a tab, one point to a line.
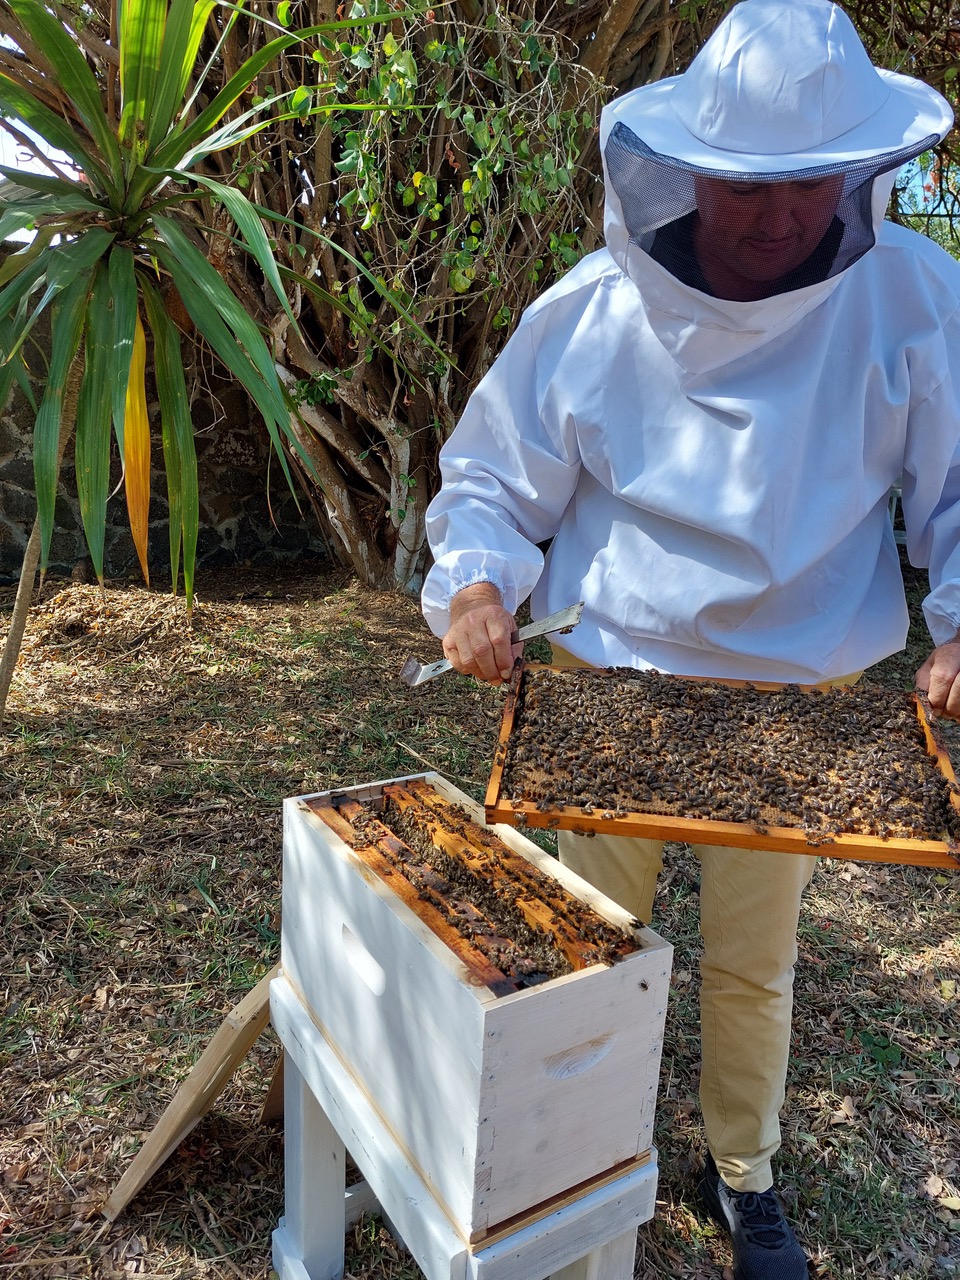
704	421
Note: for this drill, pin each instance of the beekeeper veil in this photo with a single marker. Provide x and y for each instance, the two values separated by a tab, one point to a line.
767	165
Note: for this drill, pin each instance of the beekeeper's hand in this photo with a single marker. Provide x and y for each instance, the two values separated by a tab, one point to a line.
939	678
482	640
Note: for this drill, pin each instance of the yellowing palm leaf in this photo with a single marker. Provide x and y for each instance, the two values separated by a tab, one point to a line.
136	449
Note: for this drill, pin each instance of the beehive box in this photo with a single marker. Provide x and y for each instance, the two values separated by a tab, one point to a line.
858	772
503	1097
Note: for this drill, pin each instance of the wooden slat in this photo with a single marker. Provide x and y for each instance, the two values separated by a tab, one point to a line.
382	857
936	746
549	864
229	1046
492	798
655	826
542	912
484	1239
549	895
272	1108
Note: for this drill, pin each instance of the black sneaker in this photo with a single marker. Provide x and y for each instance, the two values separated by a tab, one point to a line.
764	1247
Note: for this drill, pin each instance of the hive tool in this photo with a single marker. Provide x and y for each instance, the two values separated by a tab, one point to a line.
414	673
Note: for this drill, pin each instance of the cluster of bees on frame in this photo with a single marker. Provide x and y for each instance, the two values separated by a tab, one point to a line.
617	742
484	901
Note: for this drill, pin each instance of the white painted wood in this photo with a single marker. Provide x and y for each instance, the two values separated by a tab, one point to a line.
611	1261
578	1229
497	1104
360	1201
569	1083
314	1161
539	1250
416	1043
287	1262
421	1223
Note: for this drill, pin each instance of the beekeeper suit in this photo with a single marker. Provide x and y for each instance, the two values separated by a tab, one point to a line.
704	421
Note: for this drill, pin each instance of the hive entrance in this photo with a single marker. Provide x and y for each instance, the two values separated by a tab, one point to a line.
511	923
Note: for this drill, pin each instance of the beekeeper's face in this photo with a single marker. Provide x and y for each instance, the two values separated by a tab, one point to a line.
749	234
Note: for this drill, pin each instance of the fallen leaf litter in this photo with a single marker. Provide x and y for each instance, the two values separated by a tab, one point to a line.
621	741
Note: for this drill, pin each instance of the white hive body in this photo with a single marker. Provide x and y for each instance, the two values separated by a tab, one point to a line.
501	1104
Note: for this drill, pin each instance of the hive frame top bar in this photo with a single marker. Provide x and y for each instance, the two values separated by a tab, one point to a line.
741	835
366	792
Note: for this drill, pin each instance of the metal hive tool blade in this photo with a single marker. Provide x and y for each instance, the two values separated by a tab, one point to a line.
413	673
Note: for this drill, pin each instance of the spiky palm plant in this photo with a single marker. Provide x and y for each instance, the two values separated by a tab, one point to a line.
118	244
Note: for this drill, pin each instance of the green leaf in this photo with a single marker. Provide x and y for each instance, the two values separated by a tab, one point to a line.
24	271
13	220
238	130
67	316
215	312
300	100
15	100
405	65
51	206
17	262
185	24
23	281
92	446
12	368
254	238
385	293
58	188
123	298
74	77
200	279
180	458
60	266
71	257
340	304
170	152
141	28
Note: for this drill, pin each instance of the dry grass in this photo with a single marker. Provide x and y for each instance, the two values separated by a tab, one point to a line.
143	766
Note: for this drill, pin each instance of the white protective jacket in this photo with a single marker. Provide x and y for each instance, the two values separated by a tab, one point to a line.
713	477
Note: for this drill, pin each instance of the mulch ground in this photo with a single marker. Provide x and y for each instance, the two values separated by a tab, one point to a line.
142	768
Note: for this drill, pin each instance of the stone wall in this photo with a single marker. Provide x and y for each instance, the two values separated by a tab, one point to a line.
244	516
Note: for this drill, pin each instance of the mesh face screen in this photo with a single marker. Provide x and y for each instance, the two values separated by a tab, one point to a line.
746	236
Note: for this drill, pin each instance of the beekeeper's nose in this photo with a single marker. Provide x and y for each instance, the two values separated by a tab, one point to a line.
778	211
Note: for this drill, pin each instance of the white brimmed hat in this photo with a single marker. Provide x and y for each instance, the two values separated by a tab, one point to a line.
783	85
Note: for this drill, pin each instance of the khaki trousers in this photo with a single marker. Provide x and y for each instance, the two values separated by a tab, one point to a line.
749	908
749	911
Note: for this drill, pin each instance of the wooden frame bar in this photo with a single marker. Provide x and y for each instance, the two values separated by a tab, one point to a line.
911	852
